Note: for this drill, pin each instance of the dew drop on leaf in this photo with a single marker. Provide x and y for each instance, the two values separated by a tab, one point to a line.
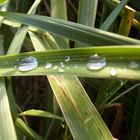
67	58
27	64
96	62
113	72
48	65
133	65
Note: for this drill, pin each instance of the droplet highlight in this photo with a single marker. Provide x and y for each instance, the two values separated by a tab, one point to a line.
67	58
48	65
133	65
113	72
96	62
27	64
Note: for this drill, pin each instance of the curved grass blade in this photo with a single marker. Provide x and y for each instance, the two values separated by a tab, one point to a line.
70	30
32	135
40	113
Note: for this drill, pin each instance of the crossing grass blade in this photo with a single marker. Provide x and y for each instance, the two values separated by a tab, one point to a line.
74	31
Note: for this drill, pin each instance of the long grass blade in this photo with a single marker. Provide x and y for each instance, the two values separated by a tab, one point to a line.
71	30
119	62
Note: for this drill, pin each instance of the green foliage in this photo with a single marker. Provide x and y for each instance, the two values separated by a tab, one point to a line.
61	106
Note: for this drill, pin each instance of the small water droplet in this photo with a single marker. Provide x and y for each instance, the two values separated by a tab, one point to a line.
133	65
6	62
67	58
96	62
113	72
62	65
27	64
48	65
61	70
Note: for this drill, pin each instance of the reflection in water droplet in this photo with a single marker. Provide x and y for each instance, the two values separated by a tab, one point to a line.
27	64
133	65
96	62
67	58
113	72
48	65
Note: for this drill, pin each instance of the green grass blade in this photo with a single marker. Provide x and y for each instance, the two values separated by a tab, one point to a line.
87	12
59	10
111	18
86	15
86	122
40	113
71	30
32	135
7	130
121	62
16	45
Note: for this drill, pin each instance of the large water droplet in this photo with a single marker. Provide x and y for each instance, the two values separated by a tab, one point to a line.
113	72
48	65
27	64
133	65
67	58
96	62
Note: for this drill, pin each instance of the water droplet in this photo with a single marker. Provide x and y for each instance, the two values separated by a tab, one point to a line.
96	62
27	64
67	58
61	70
62	65
133	65
48	65
113	72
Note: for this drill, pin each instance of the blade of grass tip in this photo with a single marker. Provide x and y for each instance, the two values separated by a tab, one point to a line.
111	18
40	113
135	133
126	21
87	14
32	135
71	30
16	45
67	93
59	10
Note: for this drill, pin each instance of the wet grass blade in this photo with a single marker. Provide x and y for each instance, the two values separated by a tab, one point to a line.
120	62
70	30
